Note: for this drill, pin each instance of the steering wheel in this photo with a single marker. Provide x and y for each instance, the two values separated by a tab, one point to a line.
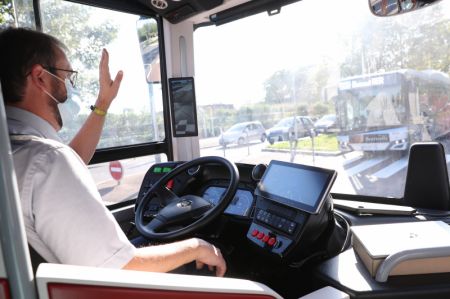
179	209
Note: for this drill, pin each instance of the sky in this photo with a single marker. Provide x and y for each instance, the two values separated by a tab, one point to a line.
233	60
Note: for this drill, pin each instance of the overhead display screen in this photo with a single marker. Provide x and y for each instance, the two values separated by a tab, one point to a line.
299	186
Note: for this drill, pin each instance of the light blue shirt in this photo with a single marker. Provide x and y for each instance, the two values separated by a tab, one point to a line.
65	219
22	122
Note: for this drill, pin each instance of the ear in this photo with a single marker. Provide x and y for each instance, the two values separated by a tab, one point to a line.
39	77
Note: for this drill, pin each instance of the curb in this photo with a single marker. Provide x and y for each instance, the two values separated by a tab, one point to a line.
305	152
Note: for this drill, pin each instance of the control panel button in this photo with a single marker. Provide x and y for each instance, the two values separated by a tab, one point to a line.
259	215
255	232
260	235
291	227
283	224
265	238
271	241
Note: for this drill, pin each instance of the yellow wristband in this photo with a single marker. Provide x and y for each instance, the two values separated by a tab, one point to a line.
98	111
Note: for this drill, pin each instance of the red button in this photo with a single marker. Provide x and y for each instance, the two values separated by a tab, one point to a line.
265	239
169	184
271	241
260	235
255	232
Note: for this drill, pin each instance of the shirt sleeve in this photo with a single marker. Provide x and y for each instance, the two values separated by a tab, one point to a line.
70	217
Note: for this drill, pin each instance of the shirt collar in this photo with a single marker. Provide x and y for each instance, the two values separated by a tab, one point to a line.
22	122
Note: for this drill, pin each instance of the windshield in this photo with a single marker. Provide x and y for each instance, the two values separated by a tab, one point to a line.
368	108
385	79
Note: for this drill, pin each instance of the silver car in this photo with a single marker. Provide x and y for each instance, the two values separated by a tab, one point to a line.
285	129
326	124
242	133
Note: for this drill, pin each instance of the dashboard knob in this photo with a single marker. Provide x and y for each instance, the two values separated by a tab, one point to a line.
258	172
193	170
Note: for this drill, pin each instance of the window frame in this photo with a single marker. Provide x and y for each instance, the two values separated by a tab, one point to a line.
132	150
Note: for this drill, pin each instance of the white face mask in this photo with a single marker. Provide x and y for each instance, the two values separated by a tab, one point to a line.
70	108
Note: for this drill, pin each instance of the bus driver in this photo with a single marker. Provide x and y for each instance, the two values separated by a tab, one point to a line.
65	219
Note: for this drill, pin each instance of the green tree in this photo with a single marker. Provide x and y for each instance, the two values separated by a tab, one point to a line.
307	88
319	109
302	110
321	77
278	87
147	29
6	13
414	41
430	43
302	86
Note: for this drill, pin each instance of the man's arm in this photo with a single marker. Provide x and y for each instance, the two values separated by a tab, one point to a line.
164	258
86	140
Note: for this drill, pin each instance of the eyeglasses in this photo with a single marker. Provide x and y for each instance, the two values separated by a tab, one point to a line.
72	77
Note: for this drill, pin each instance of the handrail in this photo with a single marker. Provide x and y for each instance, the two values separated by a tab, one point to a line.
12	232
396	258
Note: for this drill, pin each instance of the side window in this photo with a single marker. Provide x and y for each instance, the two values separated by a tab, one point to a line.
136	115
7	14
308	123
16	13
119	181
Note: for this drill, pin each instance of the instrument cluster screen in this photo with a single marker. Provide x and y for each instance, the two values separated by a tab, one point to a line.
240	205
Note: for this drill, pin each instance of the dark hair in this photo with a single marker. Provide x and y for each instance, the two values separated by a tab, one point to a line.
20	50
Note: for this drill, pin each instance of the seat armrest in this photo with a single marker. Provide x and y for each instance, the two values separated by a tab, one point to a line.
57	274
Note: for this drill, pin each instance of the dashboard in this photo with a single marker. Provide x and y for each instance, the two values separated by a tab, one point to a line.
208	182
291	224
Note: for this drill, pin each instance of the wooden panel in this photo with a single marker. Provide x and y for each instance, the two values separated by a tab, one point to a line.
71	291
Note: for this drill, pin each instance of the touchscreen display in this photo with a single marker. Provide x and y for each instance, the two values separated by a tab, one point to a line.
183	107
300	186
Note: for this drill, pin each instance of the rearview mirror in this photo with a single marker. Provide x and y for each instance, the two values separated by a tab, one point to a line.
393	7
147	30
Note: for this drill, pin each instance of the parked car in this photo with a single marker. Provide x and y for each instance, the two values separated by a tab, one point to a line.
242	133
326	124
285	129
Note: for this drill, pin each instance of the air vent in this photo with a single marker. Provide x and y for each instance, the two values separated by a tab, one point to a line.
179	14
159	4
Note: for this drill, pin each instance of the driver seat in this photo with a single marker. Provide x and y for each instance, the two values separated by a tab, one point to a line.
36	258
